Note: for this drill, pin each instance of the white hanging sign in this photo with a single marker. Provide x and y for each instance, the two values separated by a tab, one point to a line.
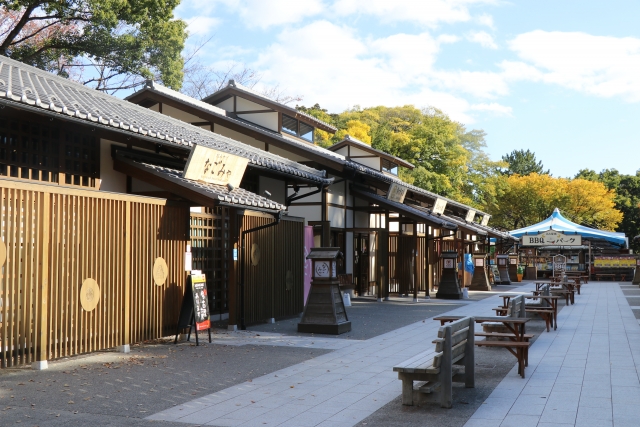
396	193
439	206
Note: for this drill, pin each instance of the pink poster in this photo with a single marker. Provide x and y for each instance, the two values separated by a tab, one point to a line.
308	244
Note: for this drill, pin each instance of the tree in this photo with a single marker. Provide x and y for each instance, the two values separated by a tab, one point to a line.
107	44
528	199
522	162
627	200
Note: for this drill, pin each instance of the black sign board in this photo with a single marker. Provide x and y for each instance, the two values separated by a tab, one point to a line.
195	307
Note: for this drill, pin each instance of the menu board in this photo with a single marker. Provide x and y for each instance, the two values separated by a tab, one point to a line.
200	301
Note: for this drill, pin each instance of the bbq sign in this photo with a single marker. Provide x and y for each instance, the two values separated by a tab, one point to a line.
551	238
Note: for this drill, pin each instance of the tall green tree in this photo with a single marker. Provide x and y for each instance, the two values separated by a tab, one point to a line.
107	44
627	199
522	162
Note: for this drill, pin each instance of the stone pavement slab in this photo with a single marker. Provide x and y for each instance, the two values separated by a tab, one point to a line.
340	388
586	374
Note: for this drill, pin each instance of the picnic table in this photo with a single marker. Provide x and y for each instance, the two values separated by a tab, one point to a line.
518	343
606	275
552	300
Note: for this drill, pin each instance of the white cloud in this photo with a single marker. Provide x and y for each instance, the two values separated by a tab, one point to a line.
264	14
429	13
332	65
597	65
486	20
201	25
483	38
498	109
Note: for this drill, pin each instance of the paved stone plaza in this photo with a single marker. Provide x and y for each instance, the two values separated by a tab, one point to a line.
583	374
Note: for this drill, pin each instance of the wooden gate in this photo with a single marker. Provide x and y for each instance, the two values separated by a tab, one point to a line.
81	270
274	268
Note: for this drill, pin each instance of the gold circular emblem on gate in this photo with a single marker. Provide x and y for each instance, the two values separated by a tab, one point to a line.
160	271
255	254
3	253
89	294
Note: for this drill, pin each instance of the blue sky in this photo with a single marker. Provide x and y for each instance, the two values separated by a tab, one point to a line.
558	77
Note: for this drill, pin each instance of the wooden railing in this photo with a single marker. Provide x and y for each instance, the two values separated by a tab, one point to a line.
57	238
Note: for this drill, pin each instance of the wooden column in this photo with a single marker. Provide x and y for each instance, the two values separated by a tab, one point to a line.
42	347
126	341
235	223
414	262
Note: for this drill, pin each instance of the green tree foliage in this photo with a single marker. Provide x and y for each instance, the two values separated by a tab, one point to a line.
627	199
522	162
448	159
108	44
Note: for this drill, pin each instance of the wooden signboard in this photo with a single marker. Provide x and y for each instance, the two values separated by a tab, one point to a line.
439	206
485	220
215	167
396	193
470	215
195	307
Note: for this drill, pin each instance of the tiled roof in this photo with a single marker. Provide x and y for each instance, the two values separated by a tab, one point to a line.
241	88
402	208
211	109
218	193
28	86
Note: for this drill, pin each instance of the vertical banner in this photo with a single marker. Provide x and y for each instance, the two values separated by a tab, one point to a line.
308	244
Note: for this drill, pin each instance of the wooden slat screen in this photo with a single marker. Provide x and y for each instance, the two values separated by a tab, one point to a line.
58	237
281	251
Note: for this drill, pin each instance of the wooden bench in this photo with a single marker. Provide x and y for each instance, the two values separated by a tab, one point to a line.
606	275
454	362
517	343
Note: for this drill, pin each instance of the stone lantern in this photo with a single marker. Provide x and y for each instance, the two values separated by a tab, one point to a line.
449	287
480	279
503	268
324	312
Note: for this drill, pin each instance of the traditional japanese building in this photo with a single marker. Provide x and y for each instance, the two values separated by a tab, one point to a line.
384	251
95	200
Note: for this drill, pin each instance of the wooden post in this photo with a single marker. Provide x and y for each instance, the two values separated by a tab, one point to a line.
469	356
414	254
235	222
446	370
128	241
42	346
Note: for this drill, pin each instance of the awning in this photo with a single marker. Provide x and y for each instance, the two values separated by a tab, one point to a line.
203	194
410	212
559	223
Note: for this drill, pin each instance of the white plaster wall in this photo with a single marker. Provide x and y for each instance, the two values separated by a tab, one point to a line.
336	217
243	104
176	113
238	136
309	213
274	186
140	186
344	151
336	194
110	180
287	155
355	151
372	162
267	120
226	105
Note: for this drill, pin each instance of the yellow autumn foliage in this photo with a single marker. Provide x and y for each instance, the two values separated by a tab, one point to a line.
525	200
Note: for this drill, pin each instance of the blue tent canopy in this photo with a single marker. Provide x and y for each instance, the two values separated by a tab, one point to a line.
557	222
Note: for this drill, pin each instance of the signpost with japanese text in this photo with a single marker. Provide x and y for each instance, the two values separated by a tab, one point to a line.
195	307
552	238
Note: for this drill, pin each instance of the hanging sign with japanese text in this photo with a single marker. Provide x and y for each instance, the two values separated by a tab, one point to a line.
552	238
214	167
470	215
485	220
396	193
